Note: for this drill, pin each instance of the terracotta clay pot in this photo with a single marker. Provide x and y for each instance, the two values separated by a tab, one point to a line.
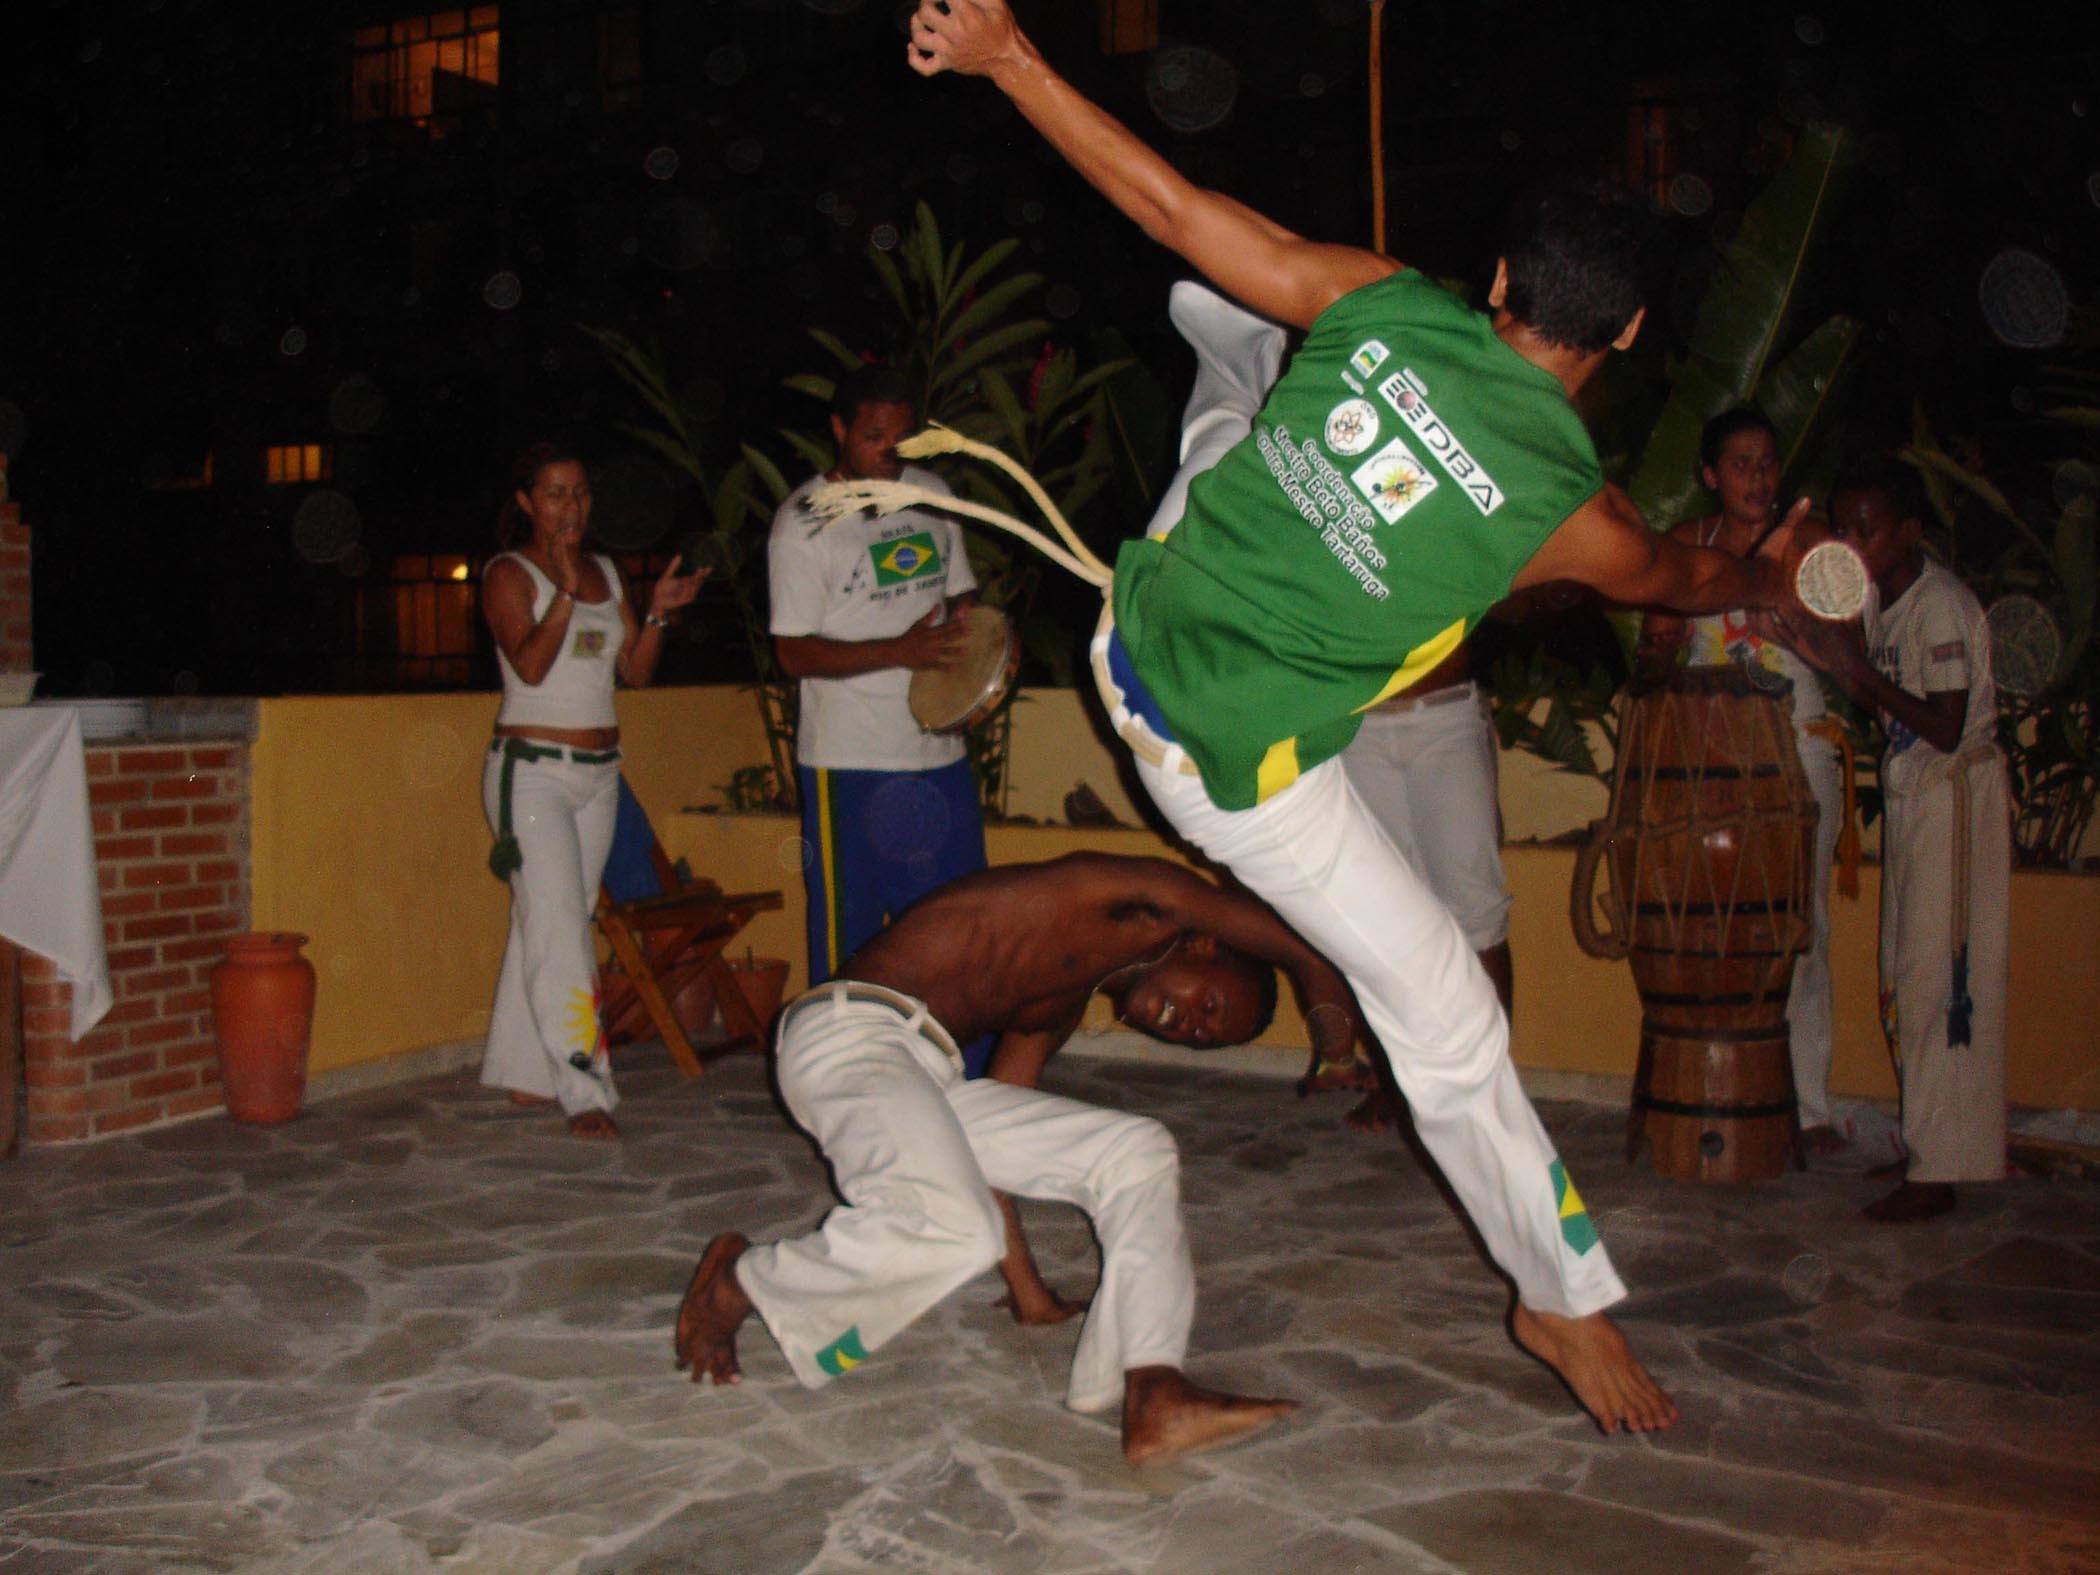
262	1004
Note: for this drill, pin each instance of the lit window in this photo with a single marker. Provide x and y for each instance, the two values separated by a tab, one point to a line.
424	67
436	623
287	464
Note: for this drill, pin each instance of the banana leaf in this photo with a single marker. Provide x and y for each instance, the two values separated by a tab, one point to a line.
1742	321
1797	394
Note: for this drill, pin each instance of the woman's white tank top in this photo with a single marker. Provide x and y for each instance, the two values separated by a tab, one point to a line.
578	688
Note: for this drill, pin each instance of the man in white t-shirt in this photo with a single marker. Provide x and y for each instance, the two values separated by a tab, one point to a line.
1922	661
889	811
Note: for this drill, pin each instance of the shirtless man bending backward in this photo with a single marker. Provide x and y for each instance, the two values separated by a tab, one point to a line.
867	1065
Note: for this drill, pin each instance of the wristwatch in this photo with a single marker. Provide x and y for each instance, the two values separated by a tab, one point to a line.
656	621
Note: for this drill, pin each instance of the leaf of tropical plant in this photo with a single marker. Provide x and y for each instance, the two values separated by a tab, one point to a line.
989	307
987	260
2079	573
671	447
766	471
1742	320
999	342
818	388
1933	462
1797	392
1006	404
923	246
817	455
848	359
2076	415
886	271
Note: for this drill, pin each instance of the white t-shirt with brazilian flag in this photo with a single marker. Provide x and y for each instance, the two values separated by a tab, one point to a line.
862	578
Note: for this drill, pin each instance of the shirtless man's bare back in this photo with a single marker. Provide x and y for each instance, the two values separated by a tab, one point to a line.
867	1067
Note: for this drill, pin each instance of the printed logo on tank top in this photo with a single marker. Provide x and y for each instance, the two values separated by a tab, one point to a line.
1352	426
1369	357
908	558
1407	394
588	645
1394	480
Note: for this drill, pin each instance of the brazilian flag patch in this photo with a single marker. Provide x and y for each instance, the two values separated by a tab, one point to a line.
907	558
1575	1226
846	1352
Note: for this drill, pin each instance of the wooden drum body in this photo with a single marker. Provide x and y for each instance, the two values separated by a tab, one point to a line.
1707	848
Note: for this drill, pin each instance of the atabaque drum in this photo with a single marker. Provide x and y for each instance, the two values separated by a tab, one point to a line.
955	698
1707	850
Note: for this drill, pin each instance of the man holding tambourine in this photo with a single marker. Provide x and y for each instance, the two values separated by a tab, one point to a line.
859	608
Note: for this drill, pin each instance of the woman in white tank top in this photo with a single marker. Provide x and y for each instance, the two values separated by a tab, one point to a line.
1739	462
565	630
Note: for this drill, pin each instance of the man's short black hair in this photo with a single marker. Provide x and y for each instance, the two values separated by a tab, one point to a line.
870	385
1579	254
1714	436
1899	484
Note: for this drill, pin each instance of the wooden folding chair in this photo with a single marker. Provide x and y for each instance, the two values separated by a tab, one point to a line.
662	944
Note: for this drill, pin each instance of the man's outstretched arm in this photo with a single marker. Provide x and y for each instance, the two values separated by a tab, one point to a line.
1606	545
1266	267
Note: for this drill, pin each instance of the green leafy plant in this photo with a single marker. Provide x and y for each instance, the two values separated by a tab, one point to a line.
2036	540
1739	348
1575	700
740	503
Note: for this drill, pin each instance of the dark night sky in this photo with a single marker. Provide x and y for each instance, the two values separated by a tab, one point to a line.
182	192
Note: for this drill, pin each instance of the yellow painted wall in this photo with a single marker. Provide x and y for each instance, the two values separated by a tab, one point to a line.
368	837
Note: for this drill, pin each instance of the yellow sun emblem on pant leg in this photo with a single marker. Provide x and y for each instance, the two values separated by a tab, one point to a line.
582	1022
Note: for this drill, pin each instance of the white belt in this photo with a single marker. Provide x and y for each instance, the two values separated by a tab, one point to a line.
1133	729
1450	694
913	1010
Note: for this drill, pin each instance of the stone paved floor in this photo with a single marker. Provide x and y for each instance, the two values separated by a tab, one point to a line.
415	1329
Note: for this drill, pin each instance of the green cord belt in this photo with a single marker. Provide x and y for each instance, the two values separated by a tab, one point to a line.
506	858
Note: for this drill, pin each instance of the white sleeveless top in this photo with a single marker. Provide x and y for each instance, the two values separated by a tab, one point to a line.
578	688
1716	639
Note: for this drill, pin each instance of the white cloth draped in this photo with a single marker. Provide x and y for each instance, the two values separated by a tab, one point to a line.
50	896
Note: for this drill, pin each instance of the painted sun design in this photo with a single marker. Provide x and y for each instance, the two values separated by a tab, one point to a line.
581	1021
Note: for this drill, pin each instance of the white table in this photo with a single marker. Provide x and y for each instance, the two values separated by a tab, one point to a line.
50	895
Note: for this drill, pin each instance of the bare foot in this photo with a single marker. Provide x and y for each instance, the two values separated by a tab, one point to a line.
714	1306
594	1124
526	1101
1912	1202
1165	1416
1822	1140
1047	1308
1377	1111
1593	1359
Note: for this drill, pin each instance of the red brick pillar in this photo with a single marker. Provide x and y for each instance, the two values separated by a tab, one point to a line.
15	652
171	843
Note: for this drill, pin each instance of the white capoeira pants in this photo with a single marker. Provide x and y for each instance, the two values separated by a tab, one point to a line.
1426	771
916	1151
1808	1012
1317	855
1953	1095
546	1006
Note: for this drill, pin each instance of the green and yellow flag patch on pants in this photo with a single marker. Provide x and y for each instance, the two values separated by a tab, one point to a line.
1575	1226
843	1354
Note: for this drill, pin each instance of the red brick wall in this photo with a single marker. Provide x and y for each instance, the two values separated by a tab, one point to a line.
171	839
15	655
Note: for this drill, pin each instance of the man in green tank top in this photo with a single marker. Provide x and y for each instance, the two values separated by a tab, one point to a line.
1327	542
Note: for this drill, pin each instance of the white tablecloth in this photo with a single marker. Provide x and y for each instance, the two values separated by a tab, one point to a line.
50	896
